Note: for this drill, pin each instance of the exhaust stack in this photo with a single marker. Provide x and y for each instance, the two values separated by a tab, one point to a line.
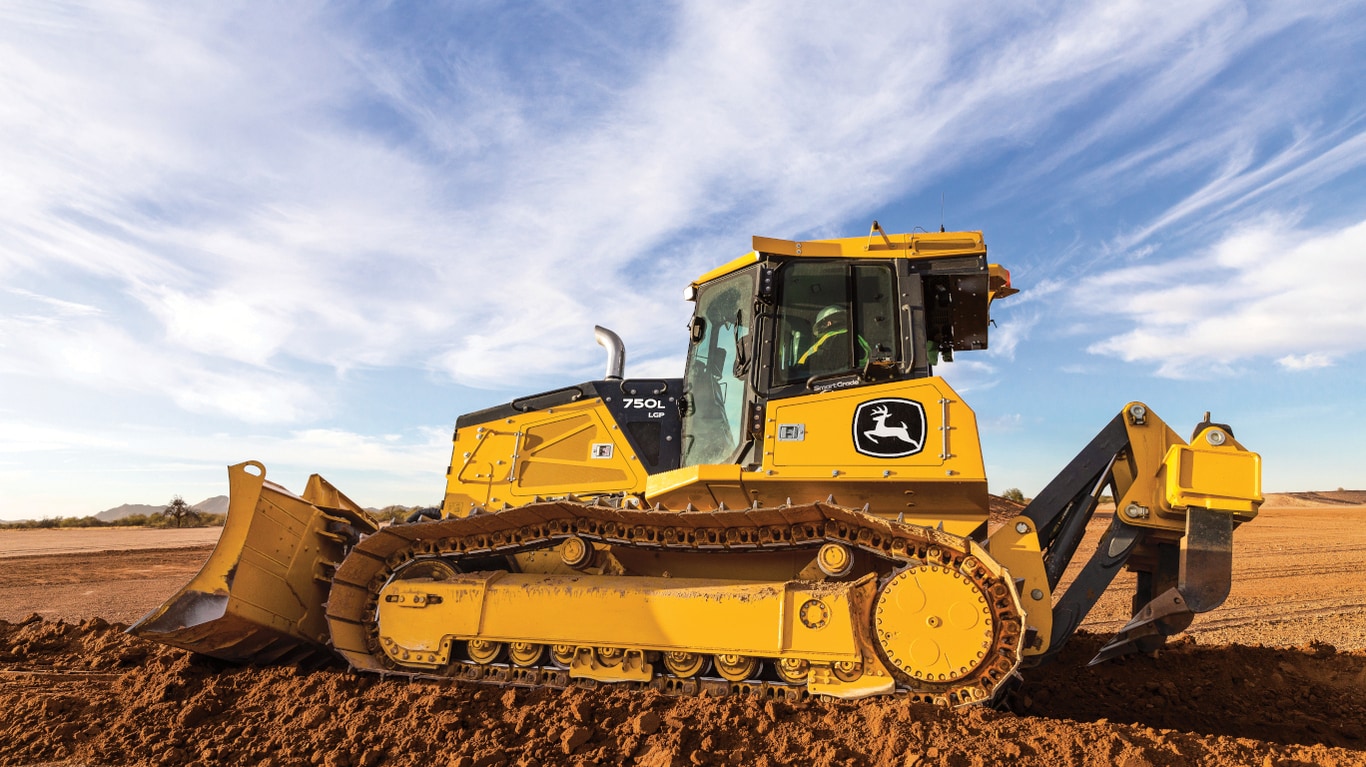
616	352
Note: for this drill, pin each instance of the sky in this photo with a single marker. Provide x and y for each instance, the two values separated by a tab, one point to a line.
313	234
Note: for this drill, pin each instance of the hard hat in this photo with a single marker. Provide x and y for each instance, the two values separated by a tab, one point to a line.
828	312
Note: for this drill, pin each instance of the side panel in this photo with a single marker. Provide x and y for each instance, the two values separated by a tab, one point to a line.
906	449
572	449
919	426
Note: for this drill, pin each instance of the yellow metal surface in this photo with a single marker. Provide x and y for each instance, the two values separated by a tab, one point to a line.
1162	476
835	560
998	283
944	482
851	681
1016	546
576	448
1222	476
260	595
732	266
910	245
705	487
933	623
610	665
826	419
907	245
710	616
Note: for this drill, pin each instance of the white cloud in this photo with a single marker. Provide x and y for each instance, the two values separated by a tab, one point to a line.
1306	361
19	438
231	209
1011	329
273	188
1267	290
90	350
57	305
223	323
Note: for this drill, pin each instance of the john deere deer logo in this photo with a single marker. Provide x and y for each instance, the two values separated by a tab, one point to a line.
889	428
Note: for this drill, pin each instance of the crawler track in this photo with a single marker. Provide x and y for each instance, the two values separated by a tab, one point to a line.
894	547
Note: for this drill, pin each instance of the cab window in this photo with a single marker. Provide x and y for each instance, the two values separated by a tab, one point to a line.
718	364
833	317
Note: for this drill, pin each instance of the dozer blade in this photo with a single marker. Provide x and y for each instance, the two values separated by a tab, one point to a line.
260	596
1206	576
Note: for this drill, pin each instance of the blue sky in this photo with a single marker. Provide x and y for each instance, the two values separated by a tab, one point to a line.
314	234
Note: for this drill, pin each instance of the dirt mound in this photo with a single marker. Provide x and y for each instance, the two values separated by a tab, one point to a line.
88	694
1318	498
1001	510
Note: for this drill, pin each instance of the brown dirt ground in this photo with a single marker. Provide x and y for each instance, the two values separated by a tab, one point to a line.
1275	677
28	543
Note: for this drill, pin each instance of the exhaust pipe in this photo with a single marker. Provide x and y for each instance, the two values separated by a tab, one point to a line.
616	352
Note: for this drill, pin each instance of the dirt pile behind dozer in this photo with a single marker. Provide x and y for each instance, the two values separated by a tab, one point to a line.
87	694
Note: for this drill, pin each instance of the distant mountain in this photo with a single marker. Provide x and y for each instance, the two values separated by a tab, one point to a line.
215	505
127	510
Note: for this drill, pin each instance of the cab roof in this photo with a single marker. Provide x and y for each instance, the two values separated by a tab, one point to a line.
878	245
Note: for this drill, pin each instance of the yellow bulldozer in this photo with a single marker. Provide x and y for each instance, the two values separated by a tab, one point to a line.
805	511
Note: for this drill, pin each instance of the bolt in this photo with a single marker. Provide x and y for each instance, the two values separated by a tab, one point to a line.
1215	437
1036	594
1021	527
1134	511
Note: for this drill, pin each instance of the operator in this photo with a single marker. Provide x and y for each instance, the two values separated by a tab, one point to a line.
830	352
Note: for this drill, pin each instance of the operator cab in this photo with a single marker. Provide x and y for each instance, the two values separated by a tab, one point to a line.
797	318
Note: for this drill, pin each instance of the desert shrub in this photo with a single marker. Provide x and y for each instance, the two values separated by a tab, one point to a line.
86	521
